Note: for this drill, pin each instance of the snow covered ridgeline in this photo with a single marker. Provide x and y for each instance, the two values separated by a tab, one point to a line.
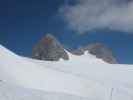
96	80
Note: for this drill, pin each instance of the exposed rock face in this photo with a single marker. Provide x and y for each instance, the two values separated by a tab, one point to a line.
100	51
49	49
103	52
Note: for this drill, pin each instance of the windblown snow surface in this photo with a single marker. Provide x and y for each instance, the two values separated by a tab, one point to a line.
81	78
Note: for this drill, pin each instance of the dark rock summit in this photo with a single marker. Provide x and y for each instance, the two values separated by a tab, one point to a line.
48	48
99	50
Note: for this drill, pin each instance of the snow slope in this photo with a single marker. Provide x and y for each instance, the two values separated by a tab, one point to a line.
84	76
89	67
19	71
12	92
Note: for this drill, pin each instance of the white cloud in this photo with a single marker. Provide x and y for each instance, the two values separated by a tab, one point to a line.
88	15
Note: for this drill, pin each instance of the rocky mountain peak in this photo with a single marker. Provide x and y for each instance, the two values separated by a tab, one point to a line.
103	52
48	39
99	50
49	48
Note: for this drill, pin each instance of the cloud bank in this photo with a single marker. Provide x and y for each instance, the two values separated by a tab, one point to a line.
88	15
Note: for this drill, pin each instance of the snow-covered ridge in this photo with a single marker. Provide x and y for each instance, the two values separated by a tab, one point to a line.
78	76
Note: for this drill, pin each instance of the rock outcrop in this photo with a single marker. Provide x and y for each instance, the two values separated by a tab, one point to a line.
99	50
49	48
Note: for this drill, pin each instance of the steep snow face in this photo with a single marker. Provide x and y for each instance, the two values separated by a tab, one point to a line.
79	76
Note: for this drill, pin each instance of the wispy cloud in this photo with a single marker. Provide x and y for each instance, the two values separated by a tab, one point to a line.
88	15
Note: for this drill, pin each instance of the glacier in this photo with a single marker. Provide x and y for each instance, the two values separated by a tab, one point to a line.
82	77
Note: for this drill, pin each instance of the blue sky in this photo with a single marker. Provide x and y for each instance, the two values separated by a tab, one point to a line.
24	22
